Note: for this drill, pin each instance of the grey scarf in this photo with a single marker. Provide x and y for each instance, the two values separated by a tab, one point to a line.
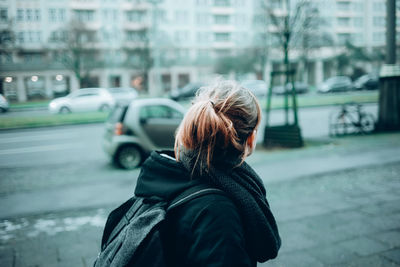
247	191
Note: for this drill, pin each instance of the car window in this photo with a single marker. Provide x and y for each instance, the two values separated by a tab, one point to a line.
159	111
87	94
117	114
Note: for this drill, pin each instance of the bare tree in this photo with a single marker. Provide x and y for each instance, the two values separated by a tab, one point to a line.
140	57
300	28
7	42
80	54
238	65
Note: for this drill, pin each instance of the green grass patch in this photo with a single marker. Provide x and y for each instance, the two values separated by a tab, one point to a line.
324	100
30	104
309	100
51	120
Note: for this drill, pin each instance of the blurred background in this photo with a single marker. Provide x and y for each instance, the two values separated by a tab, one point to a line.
114	79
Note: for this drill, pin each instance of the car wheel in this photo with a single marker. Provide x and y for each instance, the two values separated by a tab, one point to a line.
104	108
65	110
129	157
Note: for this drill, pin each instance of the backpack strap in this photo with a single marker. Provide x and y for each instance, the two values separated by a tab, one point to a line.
137	204
192	193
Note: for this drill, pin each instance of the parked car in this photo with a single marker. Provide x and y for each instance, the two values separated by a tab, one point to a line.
367	82
123	94
336	84
132	131
258	87
86	99
300	87
4	106
186	92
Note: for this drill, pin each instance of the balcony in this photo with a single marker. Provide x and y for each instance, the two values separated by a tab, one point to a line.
126	6
136	26
223	45
222	10
222	28
85	5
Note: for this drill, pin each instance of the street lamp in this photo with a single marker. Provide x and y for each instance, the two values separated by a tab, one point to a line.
389	93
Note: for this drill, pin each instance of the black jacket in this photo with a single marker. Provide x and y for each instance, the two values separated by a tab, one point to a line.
207	231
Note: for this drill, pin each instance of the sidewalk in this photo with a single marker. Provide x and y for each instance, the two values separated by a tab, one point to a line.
336	203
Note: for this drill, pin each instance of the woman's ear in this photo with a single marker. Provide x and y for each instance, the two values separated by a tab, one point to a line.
251	141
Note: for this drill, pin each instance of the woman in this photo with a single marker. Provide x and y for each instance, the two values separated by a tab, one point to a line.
236	228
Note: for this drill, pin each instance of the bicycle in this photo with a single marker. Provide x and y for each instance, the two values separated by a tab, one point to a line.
351	119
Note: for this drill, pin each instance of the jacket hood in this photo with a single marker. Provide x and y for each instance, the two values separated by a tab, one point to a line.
163	177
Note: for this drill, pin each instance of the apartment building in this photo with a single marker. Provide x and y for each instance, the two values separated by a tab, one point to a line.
185	37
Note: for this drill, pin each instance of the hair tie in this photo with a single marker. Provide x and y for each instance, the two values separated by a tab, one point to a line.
212	103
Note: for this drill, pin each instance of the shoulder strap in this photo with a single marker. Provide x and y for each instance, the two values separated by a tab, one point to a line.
192	193
136	205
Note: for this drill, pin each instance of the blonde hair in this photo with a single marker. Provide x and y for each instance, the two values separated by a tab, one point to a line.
221	119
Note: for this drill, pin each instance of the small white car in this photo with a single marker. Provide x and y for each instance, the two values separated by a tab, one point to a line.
3	104
132	131
86	99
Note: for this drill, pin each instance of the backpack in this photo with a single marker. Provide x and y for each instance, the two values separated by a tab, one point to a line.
132	236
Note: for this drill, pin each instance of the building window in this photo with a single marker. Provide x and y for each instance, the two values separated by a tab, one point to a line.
135	16
37	14
135	36
3	14
222	37
181	16
202	19
378	6
28	13
379	21
359	22
219	53
20	37
84	15
203	37
221	19
61	14
343	22
343	6
344	37
20	14
52	14
378	37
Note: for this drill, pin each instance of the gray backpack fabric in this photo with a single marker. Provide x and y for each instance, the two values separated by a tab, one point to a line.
131	235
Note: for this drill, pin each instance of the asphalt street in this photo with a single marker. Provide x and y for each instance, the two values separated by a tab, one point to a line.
336	200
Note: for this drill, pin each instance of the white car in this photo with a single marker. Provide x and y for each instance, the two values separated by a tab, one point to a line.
3	104
86	99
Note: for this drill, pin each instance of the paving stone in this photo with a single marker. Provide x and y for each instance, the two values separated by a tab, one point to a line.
297	259
370	261
332	254
384	223
393	255
364	246
296	241
392	238
6	257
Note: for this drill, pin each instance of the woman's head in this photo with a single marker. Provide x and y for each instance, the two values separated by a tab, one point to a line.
223	119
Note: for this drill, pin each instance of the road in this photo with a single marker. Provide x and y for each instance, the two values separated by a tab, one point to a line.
57	187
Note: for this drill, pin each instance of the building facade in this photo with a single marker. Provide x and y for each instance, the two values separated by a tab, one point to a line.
167	42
